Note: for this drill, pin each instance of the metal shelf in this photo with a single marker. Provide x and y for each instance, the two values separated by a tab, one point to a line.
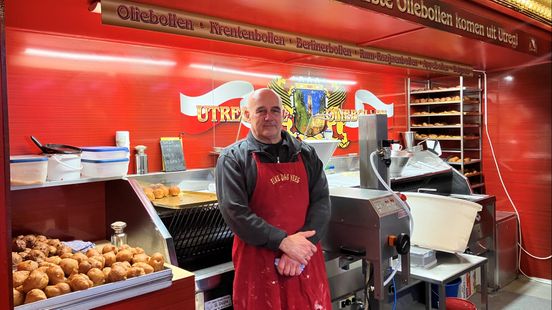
443	103
473	161
477	185
62	183
430	91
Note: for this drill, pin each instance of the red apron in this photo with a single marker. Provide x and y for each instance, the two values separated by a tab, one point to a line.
281	198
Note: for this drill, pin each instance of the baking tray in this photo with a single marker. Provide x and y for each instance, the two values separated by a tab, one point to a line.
185	199
106	293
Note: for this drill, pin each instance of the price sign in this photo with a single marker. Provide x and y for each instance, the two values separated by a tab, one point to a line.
172	154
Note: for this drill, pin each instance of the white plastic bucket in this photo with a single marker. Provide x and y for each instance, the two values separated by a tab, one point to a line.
64	167
441	223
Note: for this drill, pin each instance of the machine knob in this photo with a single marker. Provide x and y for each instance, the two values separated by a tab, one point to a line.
402	244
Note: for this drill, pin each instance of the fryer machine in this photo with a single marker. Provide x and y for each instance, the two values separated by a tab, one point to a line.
197	238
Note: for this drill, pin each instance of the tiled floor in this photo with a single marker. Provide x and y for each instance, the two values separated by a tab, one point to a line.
521	294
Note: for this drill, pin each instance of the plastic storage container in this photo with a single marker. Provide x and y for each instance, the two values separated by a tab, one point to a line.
104	152
441	223
64	167
420	257
28	169
104	168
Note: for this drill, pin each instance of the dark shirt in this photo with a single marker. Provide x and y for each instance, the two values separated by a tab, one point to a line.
236	176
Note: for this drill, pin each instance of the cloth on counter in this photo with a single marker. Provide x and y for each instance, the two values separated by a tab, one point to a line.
79	245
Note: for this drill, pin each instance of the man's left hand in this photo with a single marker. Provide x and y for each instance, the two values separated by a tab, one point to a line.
289	267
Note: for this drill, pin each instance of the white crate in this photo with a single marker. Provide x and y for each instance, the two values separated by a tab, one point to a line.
28	169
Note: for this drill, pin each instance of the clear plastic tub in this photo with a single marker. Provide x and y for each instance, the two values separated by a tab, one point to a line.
104	168
28	169
104	152
64	167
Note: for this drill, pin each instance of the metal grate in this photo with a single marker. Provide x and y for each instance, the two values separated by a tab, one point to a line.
201	237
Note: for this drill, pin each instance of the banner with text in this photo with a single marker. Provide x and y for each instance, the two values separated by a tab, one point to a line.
142	16
447	17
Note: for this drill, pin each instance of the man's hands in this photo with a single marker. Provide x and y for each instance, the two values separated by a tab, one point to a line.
289	267
298	248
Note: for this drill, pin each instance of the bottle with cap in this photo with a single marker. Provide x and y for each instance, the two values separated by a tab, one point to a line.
141	159
118	237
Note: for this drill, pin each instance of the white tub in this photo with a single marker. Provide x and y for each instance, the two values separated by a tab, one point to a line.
64	167
104	168
104	152
441	223
28	169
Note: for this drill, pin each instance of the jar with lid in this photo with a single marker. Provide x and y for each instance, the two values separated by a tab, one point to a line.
118	237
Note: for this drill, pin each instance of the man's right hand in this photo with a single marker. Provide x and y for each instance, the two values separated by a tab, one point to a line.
298	247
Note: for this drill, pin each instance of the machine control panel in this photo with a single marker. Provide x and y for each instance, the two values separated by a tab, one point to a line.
385	205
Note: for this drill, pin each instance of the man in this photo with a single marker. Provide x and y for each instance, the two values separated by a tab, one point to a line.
273	193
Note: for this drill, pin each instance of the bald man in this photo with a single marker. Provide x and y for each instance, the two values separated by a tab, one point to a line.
273	193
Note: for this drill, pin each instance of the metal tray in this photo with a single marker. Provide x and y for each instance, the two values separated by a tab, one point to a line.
106	293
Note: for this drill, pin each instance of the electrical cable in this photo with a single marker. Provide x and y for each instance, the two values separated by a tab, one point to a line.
508	194
394	295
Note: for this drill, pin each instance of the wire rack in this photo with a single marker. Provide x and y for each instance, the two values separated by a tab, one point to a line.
201	237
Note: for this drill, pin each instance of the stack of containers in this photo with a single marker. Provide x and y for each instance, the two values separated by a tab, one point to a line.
104	161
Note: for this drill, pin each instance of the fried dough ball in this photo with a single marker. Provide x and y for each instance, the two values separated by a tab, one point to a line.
16	258
36	280
135	272
19	245
117	273
42	268
63	249
84	266
79	282
80	257
69	266
43	247
28	265
55	274
52	291
125	247
92	252
150	195
110	258
147	268
124	264
54	242
174	190
97	261
109	248
41	238
96	276
140	258
18	298
156	261
53	259
66	255
36	255
124	255
30	240
137	250
64	287
19	277
34	295
106	271
158	193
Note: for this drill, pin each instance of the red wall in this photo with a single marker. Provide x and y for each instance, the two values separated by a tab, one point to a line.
519	124
83	103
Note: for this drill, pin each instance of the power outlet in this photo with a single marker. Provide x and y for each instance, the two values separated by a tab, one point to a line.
347	302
